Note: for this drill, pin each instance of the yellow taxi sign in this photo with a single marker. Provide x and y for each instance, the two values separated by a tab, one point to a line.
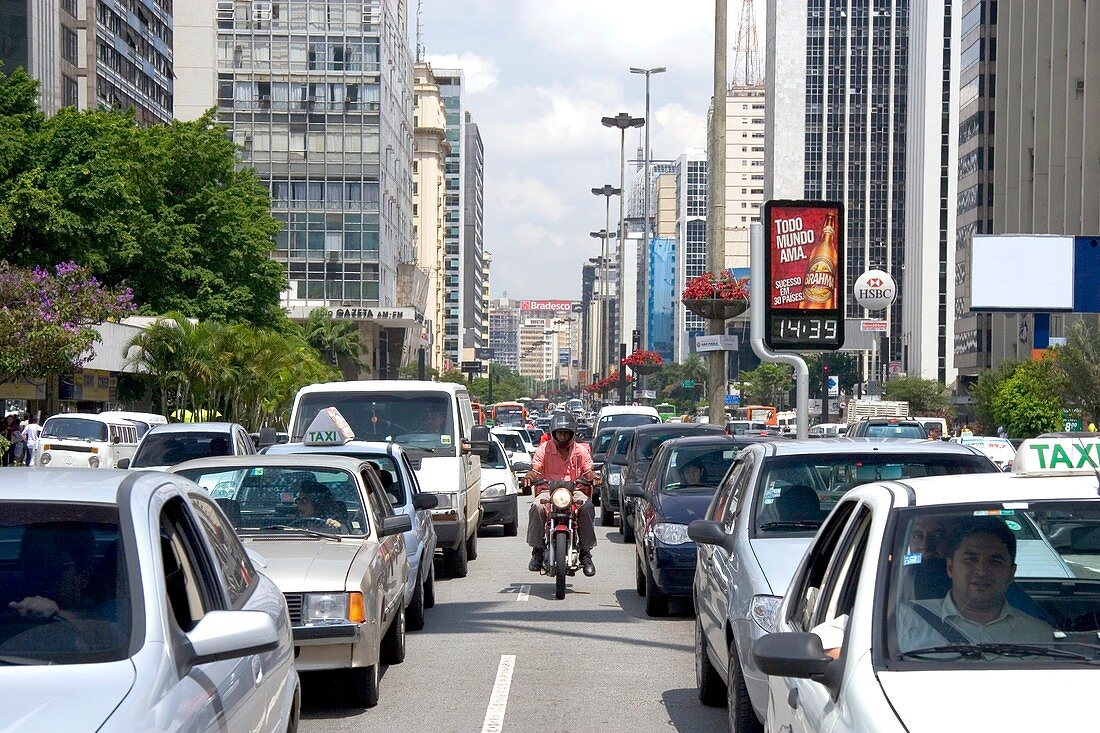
1058	457
328	428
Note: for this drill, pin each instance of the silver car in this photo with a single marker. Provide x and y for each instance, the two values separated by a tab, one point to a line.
755	531
333	545
130	605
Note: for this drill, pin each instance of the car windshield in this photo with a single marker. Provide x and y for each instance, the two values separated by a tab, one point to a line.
796	493
74	428
495	457
416	420
892	430
623	439
648	442
512	442
66	584
626	420
1005	585
278	498
698	468
602	441
168	449
738	427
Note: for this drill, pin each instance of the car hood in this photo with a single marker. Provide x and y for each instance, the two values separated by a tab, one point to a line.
63	697
683	508
490	476
306	564
778	558
440	474
910	692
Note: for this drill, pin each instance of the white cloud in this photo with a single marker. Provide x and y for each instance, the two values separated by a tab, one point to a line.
479	73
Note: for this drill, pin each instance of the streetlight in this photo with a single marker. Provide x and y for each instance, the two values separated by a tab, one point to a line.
643	327
624	122
602	353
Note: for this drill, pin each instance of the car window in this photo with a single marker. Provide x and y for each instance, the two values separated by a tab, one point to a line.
74	428
511	442
238	574
417	420
627	420
380	507
69	557
807	585
170	448
603	440
838	592
887	430
623	440
698	468
190	582
795	493
725	504
494	458
244	445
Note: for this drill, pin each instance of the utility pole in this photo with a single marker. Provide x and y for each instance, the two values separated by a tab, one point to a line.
716	210
643	276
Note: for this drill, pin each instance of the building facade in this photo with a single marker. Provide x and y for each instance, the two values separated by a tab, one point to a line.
450	88
93	54
504	323
744	168
691	242
474	285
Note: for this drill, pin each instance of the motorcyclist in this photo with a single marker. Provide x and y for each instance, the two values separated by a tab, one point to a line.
562	459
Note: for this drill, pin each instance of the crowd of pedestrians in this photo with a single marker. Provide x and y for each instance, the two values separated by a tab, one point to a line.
21	432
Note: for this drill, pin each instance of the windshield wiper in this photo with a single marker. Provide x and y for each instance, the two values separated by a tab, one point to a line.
799	524
977	651
303	530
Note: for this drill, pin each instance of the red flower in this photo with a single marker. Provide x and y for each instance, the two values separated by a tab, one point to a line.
641	356
723	287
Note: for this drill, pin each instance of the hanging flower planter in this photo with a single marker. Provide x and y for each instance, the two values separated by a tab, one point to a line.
716	298
644	369
715	308
644	362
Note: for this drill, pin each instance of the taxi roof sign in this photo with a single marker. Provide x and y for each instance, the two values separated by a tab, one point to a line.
1058	457
328	428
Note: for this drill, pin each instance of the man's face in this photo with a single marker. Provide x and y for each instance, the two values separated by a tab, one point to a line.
562	437
692	475
929	537
981	570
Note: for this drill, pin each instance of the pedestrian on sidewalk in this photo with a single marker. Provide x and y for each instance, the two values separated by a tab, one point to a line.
31	435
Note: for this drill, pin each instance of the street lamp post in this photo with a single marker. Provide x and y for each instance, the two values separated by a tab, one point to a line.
643	325
624	122
607	191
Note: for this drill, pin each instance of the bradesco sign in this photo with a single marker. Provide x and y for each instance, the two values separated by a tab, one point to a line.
536	307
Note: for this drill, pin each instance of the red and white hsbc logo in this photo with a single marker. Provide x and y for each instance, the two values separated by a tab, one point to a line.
546	306
875	290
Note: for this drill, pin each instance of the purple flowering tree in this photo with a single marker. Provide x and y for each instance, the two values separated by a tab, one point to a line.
48	318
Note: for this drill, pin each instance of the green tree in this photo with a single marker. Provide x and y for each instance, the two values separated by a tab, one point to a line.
925	396
1079	359
1029	401
841	365
336	341
984	392
768	384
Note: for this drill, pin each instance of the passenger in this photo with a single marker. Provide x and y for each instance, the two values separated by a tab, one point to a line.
317	504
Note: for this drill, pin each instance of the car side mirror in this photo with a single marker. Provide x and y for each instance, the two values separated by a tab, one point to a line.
222	635
706	532
478	444
123	463
790	654
395	525
425	501
267	437
634	490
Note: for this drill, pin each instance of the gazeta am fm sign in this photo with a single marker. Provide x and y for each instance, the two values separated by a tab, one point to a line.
1058	457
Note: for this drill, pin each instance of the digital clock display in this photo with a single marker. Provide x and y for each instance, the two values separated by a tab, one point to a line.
805	331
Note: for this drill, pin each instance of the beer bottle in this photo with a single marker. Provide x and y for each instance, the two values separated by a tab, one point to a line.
819	283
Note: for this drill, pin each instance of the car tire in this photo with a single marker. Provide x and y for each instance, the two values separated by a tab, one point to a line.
471	546
511	529
607	515
597	500
393	643
295	711
458	563
712	690
656	600
429	585
741	716
639	576
624	528
362	686
414	614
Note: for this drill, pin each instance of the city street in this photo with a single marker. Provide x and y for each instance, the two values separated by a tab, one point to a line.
591	662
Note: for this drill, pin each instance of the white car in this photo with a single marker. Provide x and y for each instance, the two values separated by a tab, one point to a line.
130	605
520	452
920	606
499	490
999	450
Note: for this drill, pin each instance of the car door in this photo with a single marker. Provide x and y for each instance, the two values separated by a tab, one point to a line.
422	518
391	550
651	484
822	592
218	695
272	670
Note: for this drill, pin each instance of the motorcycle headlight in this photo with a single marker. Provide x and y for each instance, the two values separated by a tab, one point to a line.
614	478
446	501
562	498
765	611
324	607
494	490
45	459
93	461
671	534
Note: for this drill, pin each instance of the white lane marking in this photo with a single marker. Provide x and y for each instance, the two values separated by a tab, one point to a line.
498	701
524	593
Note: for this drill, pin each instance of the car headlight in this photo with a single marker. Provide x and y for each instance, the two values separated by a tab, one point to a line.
614	478
324	607
46	458
670	533
93	461
562	498
446	501
765	611
494	490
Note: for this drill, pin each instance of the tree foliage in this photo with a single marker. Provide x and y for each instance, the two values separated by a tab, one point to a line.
1079	359
768	384
48	319
160	209
668	383
336	341
925	396
841	365
984	392
1029	401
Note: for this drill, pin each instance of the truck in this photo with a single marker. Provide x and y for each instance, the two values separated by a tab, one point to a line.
859	409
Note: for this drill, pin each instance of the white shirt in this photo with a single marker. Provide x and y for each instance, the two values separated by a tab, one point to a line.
1011	626
31	433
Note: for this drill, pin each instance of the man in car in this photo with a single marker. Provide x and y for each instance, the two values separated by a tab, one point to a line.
691	474
562	459
981	563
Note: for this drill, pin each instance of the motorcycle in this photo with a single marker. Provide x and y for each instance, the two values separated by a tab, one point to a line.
562	555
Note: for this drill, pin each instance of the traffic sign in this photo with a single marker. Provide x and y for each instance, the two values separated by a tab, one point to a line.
471	366
834	386
483	352
687	383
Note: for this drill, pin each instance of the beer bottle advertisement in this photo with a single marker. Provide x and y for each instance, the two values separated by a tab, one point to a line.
805	275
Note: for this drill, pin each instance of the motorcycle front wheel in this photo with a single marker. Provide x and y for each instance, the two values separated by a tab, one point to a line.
561	563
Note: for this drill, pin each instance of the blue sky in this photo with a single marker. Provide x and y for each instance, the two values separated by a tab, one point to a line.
539	75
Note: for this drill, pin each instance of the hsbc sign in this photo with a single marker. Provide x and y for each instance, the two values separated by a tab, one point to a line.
546	306
875	290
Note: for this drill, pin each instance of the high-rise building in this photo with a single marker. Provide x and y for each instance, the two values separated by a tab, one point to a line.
93	54
504	322
450	88
474	285
319	97
691	242
744	168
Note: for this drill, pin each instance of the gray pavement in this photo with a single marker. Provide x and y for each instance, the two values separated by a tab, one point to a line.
591	662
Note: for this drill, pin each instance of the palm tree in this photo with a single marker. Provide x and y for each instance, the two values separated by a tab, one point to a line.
334	339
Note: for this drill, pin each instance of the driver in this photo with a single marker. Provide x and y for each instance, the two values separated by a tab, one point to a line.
691	474
316	503
562	459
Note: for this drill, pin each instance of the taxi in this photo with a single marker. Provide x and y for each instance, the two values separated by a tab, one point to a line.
334	547
920	590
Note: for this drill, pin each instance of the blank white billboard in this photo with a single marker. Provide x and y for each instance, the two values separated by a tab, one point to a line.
1013	272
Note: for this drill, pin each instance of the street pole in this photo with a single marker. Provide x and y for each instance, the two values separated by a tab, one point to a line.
643	292
716	211
607	191
623	121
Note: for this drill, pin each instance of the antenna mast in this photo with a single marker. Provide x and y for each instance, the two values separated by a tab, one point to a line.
419	34
746	61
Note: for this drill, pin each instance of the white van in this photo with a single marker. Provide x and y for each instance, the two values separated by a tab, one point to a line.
434	423
79	440
625	416
143	420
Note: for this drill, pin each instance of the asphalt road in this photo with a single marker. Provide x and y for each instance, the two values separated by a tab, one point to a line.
500	653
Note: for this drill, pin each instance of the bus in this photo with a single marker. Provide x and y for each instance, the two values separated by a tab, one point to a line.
539	404
508	413
479	413
666	410
761	413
